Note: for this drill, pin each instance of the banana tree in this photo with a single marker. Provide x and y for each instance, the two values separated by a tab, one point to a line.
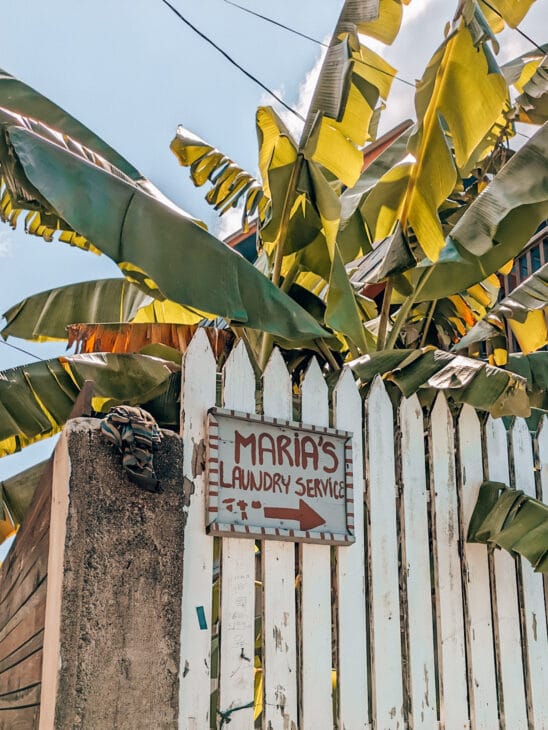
380	253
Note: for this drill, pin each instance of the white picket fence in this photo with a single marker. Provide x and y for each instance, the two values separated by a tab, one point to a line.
409	627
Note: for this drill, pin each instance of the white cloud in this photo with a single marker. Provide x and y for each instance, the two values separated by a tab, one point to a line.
6	246
229	223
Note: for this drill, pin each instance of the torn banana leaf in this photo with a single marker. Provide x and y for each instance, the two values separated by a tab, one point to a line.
46	316
135	337
230	184
525	309
495	227
16	493
36	399
352	81
458	100
463	379
186	263
509	519
534	368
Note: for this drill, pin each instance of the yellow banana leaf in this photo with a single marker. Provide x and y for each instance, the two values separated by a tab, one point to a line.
511	12
386	26
231	185
36	399
532	334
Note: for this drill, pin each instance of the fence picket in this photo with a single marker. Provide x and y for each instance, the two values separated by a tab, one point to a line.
278	572
197	395
533	589
236	688
417	566
352	675
317	706
507	608
483	685
387	683
450	620
542	446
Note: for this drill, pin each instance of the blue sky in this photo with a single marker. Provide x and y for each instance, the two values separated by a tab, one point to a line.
131	71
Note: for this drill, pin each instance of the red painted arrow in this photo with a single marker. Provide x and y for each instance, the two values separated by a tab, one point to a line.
307	518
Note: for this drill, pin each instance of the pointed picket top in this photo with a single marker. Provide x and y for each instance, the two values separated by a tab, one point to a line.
239	380
347	401
277	401
199	349
469	415
315	407
440	409
377	392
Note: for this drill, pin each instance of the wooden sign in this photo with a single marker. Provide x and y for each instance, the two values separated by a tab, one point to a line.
270	478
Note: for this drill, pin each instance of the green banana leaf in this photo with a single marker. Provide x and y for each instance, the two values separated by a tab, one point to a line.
45	316
16	492
495	227
36	399
19	98
465	380
509	519
140	233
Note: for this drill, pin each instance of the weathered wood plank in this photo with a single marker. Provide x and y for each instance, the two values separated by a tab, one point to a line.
198	389
508	632
450	620
25	718
316	708
417	566
483	684
25	623
238	574
383	549
352	633
278	572
24	674
24	650
533	589
29	582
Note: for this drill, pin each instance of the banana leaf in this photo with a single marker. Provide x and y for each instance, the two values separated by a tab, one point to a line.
534	368
528	73
231	185
21	99
143	337
187	264
463	379
458	100
342	110
509	519
525	309
16	492
36	399
46	316
494	228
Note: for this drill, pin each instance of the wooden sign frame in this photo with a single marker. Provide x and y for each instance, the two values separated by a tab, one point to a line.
215	526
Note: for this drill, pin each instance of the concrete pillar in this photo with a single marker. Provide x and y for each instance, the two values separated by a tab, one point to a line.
113	612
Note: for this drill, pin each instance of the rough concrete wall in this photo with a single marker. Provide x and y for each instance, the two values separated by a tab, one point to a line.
121	605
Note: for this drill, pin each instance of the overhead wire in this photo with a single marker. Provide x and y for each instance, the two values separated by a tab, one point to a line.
20	349
313	40
516	28
232	60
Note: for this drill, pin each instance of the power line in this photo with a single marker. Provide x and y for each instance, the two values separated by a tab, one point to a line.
516	28
314	40
20	349
232	61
